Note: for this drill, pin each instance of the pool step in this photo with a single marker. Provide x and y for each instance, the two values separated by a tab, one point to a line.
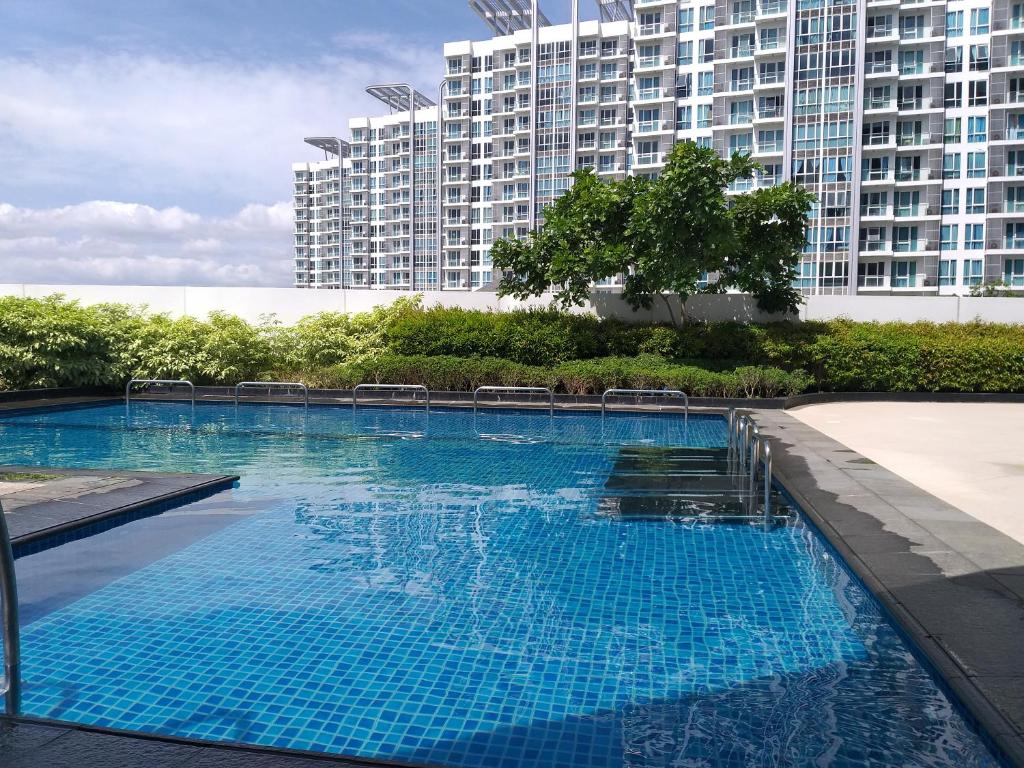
696	484
680	484
704	461
717	509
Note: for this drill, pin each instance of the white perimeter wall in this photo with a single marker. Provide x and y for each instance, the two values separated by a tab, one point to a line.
290	304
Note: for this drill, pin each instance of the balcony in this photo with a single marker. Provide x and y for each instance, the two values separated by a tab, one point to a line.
769	83
881	71
659	29
654	62
912	282
741	52
879	106
770	114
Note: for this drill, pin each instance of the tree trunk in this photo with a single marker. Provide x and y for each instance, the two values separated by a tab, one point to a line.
668	306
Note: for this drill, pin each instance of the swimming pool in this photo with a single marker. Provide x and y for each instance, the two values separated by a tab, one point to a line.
452	590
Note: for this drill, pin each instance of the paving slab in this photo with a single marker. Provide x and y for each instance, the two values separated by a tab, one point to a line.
967	454
954	584
77	497
26	743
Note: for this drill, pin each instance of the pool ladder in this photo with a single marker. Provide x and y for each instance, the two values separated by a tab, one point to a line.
11	633
288	386
638	393
169	383
750	455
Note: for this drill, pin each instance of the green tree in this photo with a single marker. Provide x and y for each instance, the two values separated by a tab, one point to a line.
663	235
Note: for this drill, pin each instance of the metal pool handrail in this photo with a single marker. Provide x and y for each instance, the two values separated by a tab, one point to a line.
11	634
270	384
651	393
393	388
512	390
169	382
766	460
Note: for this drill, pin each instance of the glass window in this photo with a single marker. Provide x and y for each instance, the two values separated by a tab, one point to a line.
979	21
1015	199
954	23
1015	235
904	238
976	200
949	237
703	115
975	165
684	118
947	272
976	130
977	93
954	93
951	166
705	83
954	58
871	274
974	237
1013	272
979	58
904	274
950	202
973	271
684	52
951	134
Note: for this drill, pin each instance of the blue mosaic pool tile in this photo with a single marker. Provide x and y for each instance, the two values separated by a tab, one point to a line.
441	589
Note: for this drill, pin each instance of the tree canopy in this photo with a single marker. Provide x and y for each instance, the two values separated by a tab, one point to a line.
664	235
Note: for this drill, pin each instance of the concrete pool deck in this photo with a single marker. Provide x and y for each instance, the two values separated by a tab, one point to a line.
970	455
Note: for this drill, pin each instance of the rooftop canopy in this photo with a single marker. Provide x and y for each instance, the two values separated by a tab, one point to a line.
330	145
615	10
507	16
397	95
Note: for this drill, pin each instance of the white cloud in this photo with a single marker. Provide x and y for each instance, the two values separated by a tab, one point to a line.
131	244
190	136
110	124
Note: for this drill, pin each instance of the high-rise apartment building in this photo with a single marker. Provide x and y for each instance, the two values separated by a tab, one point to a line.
905	119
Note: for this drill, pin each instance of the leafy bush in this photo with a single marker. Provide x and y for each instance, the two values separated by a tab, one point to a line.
53	343
533	337
56	343
579	377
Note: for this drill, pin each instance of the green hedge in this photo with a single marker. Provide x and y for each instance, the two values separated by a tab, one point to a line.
579	377
546	337
54	343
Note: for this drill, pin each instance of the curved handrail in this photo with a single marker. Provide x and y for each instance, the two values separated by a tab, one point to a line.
169	382
391	387
270	384
766	458
651	393
512	390
11	632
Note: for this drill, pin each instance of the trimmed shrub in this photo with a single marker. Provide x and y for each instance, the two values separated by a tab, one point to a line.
534	337
56	343
578	377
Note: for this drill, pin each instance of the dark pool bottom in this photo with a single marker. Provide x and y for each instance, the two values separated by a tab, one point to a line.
453	591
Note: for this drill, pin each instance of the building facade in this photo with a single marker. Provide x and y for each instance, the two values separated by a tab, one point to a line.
905	119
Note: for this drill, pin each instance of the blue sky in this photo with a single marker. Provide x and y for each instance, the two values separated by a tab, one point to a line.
150	141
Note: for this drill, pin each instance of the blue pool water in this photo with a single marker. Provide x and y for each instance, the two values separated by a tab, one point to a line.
446	590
